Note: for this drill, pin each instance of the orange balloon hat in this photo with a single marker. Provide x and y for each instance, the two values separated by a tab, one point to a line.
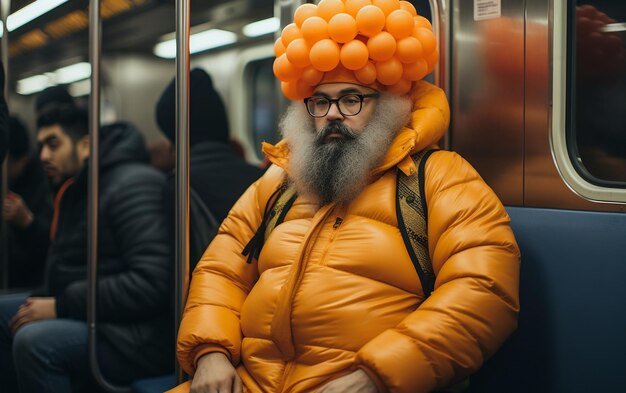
382	44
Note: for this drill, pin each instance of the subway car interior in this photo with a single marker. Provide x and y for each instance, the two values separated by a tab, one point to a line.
537	92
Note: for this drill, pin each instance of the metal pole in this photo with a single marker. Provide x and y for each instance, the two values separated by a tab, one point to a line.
95	32
182	165
5	7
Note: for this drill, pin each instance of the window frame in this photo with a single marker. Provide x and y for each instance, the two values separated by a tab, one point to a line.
561	121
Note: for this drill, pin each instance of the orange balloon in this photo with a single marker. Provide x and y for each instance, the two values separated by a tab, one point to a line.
311	76
324	55
354	6
427	39
314	29
284	70
389	72
387	6
304	12
409	50
298	53
303	89
420	21
367	74
405	5
400	23
342	28
381	46
329	8
402	87
370	20
415	71
279	47
289	90
354	55
432	60
290	33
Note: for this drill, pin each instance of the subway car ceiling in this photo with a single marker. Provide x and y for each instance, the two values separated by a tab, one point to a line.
59	37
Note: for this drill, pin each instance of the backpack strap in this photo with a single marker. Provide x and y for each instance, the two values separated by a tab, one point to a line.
412	214
276	209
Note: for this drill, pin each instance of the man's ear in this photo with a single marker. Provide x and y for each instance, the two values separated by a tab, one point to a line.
82	147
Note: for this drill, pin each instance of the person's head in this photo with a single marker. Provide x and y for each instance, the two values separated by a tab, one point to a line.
53	96
207	115
351	85
19	148
64	141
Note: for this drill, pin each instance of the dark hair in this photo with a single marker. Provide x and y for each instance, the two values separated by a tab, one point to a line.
207	115
54	95
73	121
19	141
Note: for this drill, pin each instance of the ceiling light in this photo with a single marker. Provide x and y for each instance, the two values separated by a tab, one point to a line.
613	27
73	73
33	84
197	43
261	27
30	12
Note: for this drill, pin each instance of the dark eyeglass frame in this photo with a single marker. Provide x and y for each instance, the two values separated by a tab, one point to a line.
336	102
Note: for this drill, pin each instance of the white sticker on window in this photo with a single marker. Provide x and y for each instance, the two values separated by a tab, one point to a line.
487	9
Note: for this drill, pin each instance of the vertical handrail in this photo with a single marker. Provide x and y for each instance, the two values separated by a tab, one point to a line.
182	166
5	7
440	20
95	41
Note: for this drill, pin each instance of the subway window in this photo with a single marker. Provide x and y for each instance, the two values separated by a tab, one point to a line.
597	91
264	115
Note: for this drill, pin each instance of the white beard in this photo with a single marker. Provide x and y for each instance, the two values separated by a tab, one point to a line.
337	171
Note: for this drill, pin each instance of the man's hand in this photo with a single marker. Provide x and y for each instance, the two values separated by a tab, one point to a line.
15	211
215	374
355	382
34	309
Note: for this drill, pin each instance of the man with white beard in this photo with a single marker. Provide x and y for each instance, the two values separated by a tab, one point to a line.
329	299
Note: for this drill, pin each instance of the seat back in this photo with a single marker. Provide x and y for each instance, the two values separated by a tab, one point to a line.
572	324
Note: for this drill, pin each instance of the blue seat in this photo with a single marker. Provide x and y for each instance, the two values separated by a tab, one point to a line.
572	325
154	385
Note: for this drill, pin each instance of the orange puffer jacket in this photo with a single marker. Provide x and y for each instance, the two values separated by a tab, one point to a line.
334	288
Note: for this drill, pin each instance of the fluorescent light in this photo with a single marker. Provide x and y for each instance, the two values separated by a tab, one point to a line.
197	43
79	89
33	84
1	29
30	12
613	27
261	27
73	73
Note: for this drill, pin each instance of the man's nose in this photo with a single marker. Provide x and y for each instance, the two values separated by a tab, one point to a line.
44	155
333	112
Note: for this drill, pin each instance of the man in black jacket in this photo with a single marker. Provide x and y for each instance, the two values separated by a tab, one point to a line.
27	209
218	175
48	333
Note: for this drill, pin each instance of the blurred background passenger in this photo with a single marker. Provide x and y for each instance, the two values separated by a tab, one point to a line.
218	173
27	209
51	96
43	337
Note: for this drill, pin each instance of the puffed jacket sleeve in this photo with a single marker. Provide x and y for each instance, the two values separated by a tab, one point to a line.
222	280
474	306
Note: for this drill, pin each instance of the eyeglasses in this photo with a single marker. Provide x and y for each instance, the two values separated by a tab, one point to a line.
348	105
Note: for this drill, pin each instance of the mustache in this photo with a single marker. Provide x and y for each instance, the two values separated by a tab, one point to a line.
335	127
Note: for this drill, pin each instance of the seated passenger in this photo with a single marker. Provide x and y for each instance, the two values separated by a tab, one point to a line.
218	174
27	209
333	301
45	335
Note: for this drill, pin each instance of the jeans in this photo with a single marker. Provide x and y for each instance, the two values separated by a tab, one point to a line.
51	355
